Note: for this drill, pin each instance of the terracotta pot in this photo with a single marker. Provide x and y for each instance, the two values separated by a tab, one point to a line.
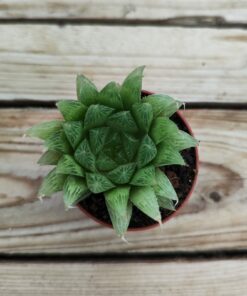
185	199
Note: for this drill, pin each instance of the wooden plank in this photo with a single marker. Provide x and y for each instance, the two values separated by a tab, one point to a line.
219	278
214	218
40	62
224	10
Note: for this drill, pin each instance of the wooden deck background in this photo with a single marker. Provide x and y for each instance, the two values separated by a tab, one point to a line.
194	50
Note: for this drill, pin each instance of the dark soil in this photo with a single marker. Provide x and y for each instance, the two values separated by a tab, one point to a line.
181	177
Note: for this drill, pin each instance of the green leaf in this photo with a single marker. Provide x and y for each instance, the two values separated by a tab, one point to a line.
98	183
52	183
58	142
96	116
45	129
119	208
110	96
145	200
86	90
85	156
74	132
68	166
105	163
130	145
166	203
114	148
97	138
163	104
163	187
49	158
147	151
143	114
181	140
131	87
162	129
144	176
72	110
122	174
123	121
167	156
75	189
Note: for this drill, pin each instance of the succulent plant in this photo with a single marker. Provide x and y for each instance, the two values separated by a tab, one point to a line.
113	142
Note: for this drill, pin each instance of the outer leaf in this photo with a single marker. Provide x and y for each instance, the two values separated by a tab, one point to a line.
167	156
181	140
131	87
122	174
143	114
130	145
75	189
123	121
74	132
86	90
97	138
98	183
145	200
58	142
166	203
119	208
68	166
72	110
144	176
84	156
110	96
105	163
45	129
162	129
163	187
52	183
96	116
50	158
147	151
163	104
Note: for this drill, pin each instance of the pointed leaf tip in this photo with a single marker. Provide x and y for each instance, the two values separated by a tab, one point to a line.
45	129
49	158
52	183
75	189
145	200
119	208
86	91
71	110
162	104
110	96
131	87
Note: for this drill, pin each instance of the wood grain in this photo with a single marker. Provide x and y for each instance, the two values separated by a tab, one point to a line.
225	10
40	62
214	218
219	278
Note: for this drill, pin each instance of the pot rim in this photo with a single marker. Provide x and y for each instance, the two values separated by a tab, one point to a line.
172	215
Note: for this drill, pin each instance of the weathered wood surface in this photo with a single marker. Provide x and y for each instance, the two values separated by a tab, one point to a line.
214	218
39	62
224	10
219	278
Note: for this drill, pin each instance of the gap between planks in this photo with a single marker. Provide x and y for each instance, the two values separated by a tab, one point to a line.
187	22
123	257
188	105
